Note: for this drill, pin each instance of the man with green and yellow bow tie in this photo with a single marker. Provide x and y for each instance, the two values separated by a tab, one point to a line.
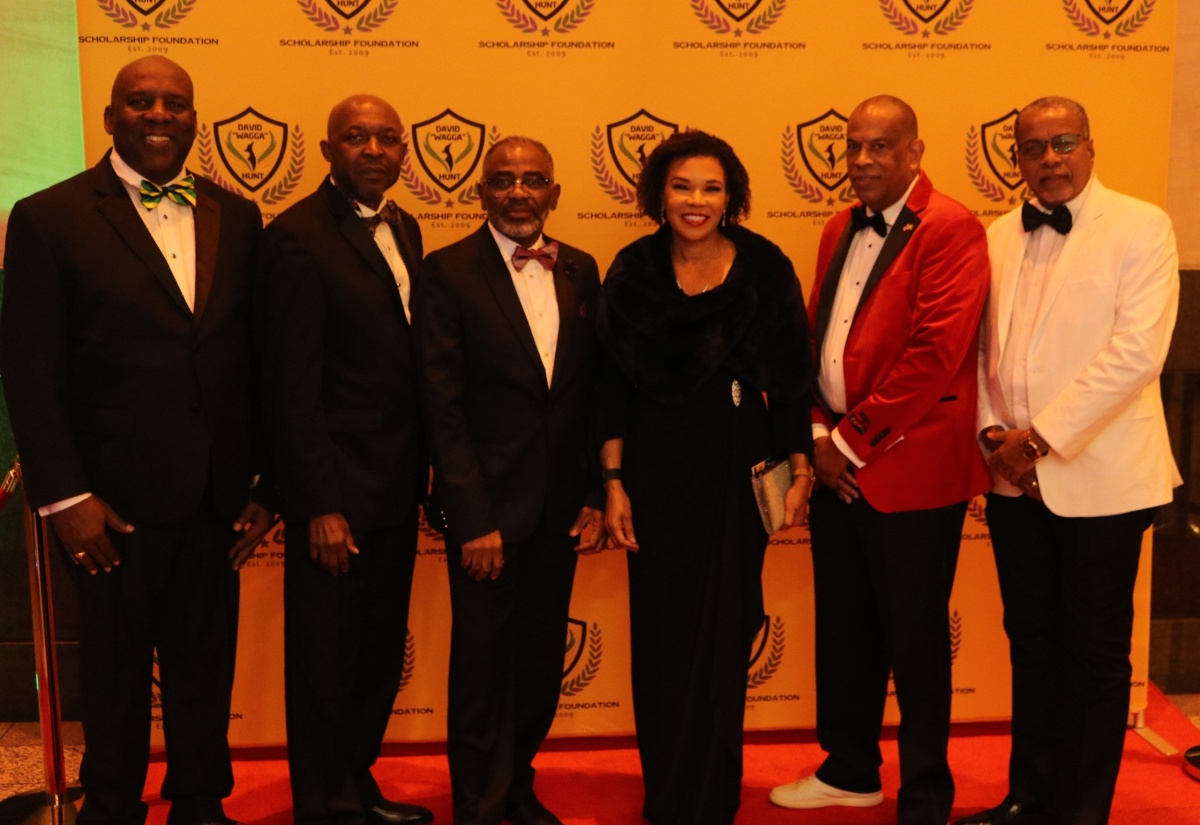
126	362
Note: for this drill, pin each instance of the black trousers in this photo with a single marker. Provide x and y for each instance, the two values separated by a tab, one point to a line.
507	646
344	641
176	595
882	586
1067	586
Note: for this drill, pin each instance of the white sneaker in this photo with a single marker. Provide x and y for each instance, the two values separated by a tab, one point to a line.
811	792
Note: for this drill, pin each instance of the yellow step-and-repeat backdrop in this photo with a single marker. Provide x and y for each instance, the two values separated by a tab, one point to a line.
600	81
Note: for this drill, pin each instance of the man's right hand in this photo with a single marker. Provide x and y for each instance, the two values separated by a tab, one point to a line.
82	529
330	543
483	558
834	470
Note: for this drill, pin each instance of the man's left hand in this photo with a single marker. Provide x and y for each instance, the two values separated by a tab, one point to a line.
252	523
589	527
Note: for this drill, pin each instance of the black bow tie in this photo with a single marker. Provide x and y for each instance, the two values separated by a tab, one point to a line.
860	220
389	213
1059	220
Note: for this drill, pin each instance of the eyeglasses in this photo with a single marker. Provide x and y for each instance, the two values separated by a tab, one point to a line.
1061	144
503	183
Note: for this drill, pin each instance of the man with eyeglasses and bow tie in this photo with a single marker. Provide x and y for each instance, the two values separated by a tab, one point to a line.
1085	286
505	332
126	356
895	309
339	393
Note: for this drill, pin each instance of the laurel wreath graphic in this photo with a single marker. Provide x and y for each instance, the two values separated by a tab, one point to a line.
791	170
315	14
1080	20
762	674
516	17
952	21
575	17
847	195
377	16
410	662
1135	21
283	189
118	14
168	18
897	18
977	509
577	684
767	18
988	188
208	162
419	188
611	186
955	635
709	17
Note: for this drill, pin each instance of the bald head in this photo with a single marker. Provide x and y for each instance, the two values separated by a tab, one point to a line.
364	147
883	152
151	118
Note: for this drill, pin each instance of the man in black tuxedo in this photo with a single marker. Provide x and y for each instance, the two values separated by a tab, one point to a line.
125	350
504	323
339	389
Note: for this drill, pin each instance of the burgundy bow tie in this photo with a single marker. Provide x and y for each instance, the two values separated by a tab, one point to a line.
546	256
389	213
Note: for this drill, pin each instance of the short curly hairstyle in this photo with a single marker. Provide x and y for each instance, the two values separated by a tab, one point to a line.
693	144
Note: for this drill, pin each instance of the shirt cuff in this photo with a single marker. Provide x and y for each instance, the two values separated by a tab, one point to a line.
819	431
846	451
59	506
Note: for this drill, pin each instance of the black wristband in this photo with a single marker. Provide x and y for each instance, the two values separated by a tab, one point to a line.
611	475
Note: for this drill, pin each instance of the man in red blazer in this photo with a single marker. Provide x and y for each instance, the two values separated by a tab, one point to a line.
895	309
125	349
339	397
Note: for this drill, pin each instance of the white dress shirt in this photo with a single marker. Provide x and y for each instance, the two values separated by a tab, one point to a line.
385	239
535	289
860	260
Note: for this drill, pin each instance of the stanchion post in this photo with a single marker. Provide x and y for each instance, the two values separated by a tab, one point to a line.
57	809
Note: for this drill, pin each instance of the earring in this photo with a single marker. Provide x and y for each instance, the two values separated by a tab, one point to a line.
663	216
723	217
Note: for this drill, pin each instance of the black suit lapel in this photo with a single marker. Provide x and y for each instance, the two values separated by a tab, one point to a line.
118	209
354	229
499	280
829	285
566	293
897	238
207	217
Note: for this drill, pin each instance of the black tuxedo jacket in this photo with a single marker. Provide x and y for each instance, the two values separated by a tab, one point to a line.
114	385
509	452
339	387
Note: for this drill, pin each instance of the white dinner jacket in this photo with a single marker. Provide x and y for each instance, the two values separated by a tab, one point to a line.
1098	347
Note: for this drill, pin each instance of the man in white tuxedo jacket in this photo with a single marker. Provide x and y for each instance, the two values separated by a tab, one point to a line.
1085	286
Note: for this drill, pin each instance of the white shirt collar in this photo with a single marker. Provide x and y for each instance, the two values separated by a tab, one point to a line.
130	176
508	246
892	212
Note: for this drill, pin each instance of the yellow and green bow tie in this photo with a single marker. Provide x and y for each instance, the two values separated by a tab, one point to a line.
183	193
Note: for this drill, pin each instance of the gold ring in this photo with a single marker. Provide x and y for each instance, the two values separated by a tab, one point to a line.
80	554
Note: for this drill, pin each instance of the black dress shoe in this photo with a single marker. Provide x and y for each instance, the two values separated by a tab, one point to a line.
1006	813
531	812
387	812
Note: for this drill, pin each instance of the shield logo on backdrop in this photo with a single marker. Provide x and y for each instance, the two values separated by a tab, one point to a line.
347	8
145	7
631	140
926	10
1109	10
1000	149
251	146
739	10
448	147
577	636
545	9
823	149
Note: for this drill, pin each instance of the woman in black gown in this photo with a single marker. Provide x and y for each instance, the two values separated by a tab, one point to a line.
707	374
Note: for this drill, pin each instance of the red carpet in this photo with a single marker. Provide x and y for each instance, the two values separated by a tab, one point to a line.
597	782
